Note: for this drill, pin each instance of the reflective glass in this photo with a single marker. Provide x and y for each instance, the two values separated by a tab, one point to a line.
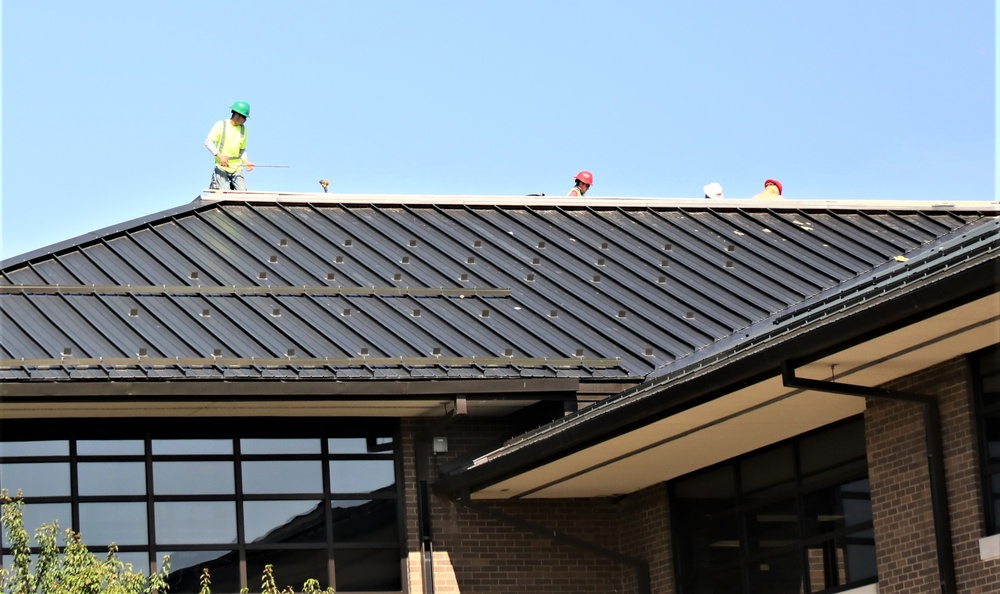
290	567
36	514
20	449
192	446
368	570
360	445
718	581
365	520
838	445
780	574
767	469
110	447
193	478
139	561
280	446
284	521
773	526
121	523
112	478
186	571
36	479
859	556
195	522
283	476
361	476
836	507
991	424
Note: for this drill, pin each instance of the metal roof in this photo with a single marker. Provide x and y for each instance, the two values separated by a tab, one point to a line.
941	303
317	286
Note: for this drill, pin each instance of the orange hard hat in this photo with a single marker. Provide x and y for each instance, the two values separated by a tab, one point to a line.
775	182
586	177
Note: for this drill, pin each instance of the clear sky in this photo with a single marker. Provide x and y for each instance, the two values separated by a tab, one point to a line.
106	105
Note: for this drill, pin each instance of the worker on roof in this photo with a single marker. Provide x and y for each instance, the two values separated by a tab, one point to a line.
772	191
583	181
713	190
228	142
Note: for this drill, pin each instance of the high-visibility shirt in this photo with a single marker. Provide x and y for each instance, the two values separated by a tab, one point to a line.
575	192
229	140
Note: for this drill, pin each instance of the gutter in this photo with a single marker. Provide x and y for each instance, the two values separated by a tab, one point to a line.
935	458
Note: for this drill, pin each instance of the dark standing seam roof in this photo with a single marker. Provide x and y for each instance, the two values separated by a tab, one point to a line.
395	289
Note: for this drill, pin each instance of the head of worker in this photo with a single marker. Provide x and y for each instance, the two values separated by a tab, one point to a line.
583	181
772	186
240	112
713	190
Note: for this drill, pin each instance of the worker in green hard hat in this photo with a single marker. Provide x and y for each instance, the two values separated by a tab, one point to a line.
228	142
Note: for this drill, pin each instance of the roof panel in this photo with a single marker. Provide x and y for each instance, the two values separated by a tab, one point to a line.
530	280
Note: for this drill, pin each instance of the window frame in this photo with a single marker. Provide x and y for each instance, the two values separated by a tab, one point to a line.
324	430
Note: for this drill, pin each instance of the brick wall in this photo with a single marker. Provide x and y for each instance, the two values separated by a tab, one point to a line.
901	502
477	553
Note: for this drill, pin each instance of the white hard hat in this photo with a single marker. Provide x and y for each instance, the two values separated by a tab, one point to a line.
713	190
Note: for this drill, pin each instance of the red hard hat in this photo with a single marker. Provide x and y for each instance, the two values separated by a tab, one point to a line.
775	182
586	177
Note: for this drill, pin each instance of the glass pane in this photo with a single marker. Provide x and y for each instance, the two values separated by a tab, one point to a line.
719	581
223	567
361	476
837	507
368	570
283	476
19	449
193	478
718	484
365	520
104	523
775	467
780	574
360	445
195	522
139	561
36	514
991	425
994	502
859	556
989	372
192	446
43	479
112	478
110	447
773	526
291	567
832	447
284	521
280	446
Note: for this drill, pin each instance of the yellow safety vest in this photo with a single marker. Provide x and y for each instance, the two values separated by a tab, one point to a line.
230	141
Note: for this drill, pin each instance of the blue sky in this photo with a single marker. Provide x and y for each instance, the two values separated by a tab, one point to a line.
106	105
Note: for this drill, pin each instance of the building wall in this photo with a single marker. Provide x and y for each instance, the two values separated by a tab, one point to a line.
901	502
479	553
476	553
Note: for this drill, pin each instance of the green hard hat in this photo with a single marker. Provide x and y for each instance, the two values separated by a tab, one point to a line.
242	108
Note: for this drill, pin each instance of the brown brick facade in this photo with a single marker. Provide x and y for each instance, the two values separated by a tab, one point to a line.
901	502
477	553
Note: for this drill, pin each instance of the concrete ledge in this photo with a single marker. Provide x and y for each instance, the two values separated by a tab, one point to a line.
869	589
989	547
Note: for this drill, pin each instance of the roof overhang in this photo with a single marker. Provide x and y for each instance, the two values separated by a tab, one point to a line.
731	401
209	398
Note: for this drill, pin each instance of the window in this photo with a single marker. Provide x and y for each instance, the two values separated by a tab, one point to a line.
316	499
986	386
795	517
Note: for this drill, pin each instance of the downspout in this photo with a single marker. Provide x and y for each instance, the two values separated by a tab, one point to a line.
935	458
641	567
